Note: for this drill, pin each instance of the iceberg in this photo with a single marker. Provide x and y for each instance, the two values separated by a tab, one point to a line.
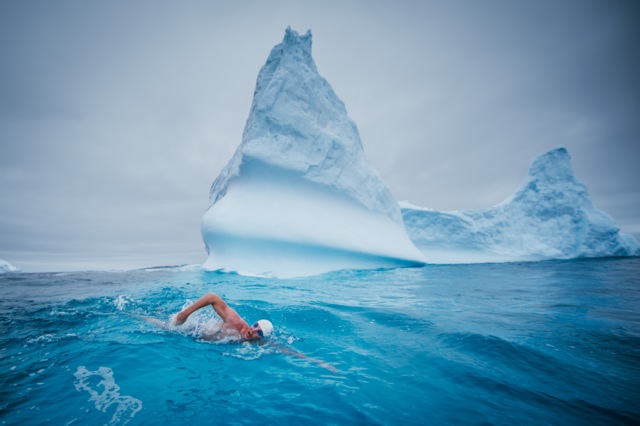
7	267
551	216
299	197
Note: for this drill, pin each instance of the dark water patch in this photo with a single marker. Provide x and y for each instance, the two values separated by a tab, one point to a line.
524	375
517	401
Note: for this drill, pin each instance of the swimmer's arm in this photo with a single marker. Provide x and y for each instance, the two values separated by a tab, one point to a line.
300	355
155	321
214	300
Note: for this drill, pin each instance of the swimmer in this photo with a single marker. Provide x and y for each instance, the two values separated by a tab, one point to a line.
232	324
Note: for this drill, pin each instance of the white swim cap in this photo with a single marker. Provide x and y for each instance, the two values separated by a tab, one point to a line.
266	326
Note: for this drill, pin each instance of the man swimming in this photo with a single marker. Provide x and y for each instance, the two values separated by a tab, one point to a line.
232	324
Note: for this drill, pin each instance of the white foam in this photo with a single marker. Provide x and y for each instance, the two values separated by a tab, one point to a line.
199	324
127	406
122	301
45	338
249	351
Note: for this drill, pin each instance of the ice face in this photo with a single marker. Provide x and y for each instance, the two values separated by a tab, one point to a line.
298	123
299	197
550	217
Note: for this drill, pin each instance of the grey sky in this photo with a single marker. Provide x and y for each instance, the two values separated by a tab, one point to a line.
116	117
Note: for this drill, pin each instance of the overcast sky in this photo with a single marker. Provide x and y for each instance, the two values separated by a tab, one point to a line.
116	116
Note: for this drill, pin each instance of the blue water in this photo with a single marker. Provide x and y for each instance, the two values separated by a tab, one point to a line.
531	343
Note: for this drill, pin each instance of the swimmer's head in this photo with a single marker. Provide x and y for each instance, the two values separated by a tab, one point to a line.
259	330
264	328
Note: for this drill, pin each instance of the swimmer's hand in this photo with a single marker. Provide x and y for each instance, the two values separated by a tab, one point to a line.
300	355
181	317
328	366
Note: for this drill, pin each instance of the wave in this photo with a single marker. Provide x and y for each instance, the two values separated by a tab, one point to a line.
174	268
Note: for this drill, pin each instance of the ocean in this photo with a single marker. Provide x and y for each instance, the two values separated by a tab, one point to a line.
555	342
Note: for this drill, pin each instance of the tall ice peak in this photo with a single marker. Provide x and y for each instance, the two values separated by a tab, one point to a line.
551	174
295	43
552	166
299	196
298	123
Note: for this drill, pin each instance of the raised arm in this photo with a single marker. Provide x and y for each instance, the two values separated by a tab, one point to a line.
214	300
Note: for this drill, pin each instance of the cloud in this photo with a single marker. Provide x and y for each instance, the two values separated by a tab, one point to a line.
116	117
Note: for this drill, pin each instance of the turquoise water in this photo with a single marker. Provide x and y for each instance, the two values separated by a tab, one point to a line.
529	343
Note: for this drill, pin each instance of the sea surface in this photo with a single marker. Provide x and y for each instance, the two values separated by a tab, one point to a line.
553	342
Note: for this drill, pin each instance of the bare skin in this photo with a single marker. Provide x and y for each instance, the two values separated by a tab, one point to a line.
232	323
232	326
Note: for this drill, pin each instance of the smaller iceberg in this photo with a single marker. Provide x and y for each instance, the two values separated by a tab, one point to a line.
550	217
7	267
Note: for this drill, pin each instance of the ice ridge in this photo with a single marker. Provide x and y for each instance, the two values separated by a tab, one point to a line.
551	216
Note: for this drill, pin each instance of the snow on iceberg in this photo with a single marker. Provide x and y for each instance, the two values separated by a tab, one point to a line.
550	217
299	197
7	267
